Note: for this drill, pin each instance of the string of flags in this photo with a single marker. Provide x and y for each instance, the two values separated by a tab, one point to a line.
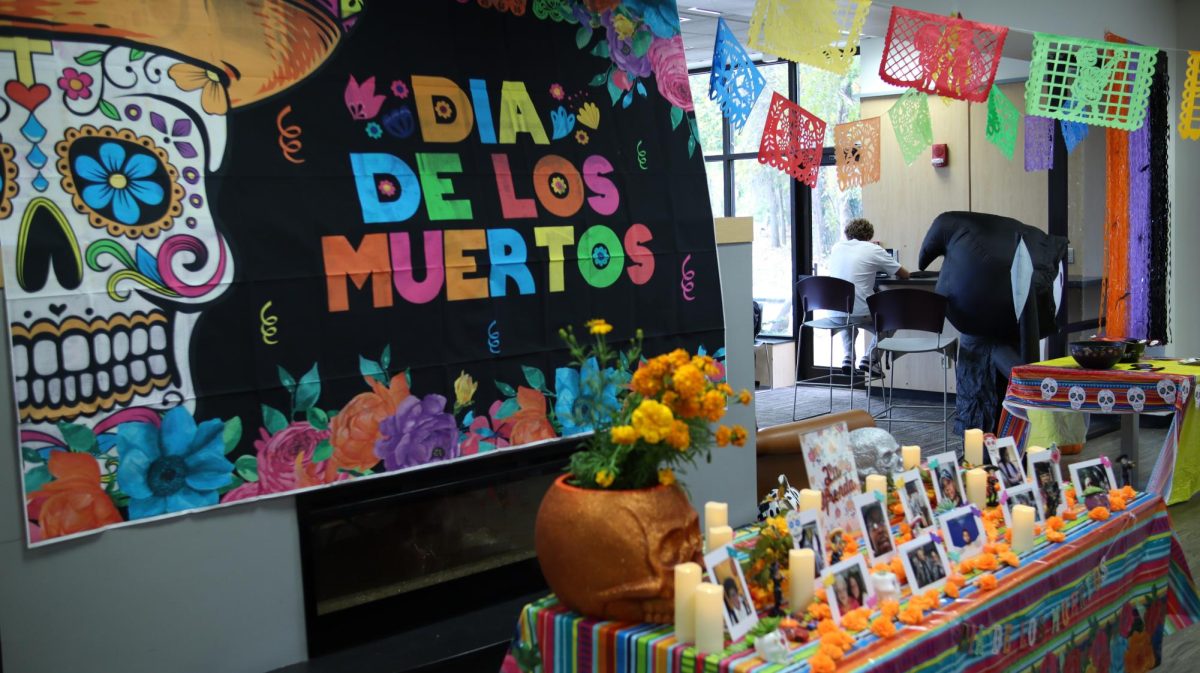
1074	83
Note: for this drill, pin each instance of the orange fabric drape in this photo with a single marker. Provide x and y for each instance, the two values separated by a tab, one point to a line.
1114	307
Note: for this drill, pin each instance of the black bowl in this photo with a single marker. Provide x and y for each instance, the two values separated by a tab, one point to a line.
1097	354
1134	349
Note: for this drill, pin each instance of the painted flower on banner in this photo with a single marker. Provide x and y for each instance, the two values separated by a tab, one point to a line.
356	429
628	53
75	85
361	99
485	433
670	71
213	97
180	128
400	89
286	459
113	179
74	501
421	431
172	468
585	396
530	422
556	91
660	15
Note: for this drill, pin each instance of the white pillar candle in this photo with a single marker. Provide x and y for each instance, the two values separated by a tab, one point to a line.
715	514
877	483
1022	537
912	457
973	446
810	500
977	482
719	537
710	624
687	578
802	571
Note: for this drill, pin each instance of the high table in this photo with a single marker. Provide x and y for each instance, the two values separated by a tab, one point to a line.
1062	385
1105	595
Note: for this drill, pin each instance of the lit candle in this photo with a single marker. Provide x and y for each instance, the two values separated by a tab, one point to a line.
912	457
715	514
977	481
710	624
810	499
877	483
973	446
687	578
802	571
719	536
1022	537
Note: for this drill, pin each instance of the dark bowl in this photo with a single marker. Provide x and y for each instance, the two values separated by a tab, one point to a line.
1097	354
1134	349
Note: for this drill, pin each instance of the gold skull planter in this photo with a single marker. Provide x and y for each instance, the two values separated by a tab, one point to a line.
611	554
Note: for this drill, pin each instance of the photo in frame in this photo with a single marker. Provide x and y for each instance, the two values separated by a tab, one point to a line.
848	586
1004	454
962	532
1025	494
917	510
877	531
1047	480
831	470
725	572
806	531
1093	479
925	563
947	480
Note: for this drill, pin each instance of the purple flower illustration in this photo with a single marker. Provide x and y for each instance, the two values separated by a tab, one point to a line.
622	52
419	432
361	99
182	128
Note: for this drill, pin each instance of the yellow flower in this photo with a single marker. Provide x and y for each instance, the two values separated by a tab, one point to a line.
598	326
652	420
623	26
779	523
723	435
604	478
623	434
712	406
688	381
589	115
725	389
443	109
739	436
679	437
666	476
188	77
581	136
744	397
464	389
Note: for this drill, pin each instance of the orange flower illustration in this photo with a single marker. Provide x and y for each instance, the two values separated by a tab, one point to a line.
530	423
213	97
356	428
442	109
74	502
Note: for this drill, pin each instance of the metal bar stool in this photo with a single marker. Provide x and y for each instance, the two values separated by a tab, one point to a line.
824	293
918	310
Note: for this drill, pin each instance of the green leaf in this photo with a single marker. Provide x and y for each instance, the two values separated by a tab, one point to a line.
323	451
507	409
79	438
109	110
30	455
505	389
273	419
37	478
286	380
318	418
371	369
601	49
308	391
246	467
534	376
234	482
89	57
385	358
583	36
599	79
641	42
691	146
676	117
232	434
136	54
614	91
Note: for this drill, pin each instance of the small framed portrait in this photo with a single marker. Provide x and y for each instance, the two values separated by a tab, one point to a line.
947	481
847	586
962	532
1025	494
1092	479
725	572
1047	483
917	510
1006	457
805	528
925	563
873	519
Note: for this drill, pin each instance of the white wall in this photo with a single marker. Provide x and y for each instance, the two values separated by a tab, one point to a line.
1186	202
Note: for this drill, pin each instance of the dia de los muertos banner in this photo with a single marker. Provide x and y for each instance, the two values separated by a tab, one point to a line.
261	246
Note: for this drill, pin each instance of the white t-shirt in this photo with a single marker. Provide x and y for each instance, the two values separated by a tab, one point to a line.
858	261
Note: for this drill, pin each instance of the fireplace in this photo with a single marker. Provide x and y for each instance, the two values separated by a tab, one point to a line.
387	560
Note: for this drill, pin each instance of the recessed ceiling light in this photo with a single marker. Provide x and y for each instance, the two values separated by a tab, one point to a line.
701	10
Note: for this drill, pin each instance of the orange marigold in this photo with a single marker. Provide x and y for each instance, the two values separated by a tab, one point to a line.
987	582
822	663
950	590
1008	535
889	608
1011	559
1070	514
723	435
712	406
645	382
820	611
839	638
1055	523
1128	493
851	547
826	625
897	509
830	650
911	615
856	620
986	562
1098	514
688	381
1055	536
966	566
897	567
739	436
1116	502
883	627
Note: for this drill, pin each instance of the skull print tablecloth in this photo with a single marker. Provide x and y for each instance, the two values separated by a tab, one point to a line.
1061	385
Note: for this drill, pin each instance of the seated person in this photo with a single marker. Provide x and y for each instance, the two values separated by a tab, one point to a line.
857	260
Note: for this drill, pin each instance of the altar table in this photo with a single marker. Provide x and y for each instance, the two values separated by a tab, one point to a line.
1062	385
1103	597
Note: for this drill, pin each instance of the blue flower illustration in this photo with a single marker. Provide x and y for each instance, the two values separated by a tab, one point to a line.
564	122
118	182
176	467
585	398
660	15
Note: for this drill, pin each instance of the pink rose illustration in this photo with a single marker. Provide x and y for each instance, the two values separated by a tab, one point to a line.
285	463
670	71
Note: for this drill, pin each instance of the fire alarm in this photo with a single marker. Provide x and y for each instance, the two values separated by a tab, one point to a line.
941	156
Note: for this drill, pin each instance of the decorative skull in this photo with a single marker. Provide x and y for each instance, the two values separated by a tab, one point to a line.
1185	388
1107	400
1077	396
1136	397
772	647
887	585
1166	390
1049	388
875	452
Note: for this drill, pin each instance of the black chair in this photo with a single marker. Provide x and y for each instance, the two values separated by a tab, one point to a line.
824	293
918	310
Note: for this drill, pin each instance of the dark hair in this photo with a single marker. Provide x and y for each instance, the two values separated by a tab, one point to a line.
730	583
859	229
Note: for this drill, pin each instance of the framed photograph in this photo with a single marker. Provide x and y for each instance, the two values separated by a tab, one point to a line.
1025	494
831	470
805	528
1005	455
947	480
917	510
725	572
1093	480
848	586
873	519
1047	483
962	531
925	563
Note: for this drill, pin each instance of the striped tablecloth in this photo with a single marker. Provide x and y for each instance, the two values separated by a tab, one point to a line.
1061	385
1105	596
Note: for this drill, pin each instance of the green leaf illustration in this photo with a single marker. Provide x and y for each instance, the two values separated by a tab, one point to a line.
318	418
507	409
80	439
323	451
308	391
136	54
583	36
31	455
534	376
599	79
232	434
641	42
601	49
676	116
37	478
385	358
286	380
246	467
109	110
505	389
89	57
371	369
273	419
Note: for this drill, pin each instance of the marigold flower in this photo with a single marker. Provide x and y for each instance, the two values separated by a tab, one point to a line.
822	663
605	478
712	406
1055	523
738	437
883	627
1008	535
897	567
1127	492
678	358
851	543
820	611
856	620
1098	514
987	582
723	435
950	590
1001	547
666	476
838	638
986	562
598	326
679	436
745	397
645	382
688	381
623	434
966	566
652	420
826	625
1055	536
911	615
1116	501
898	509
1011	559
1070	515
